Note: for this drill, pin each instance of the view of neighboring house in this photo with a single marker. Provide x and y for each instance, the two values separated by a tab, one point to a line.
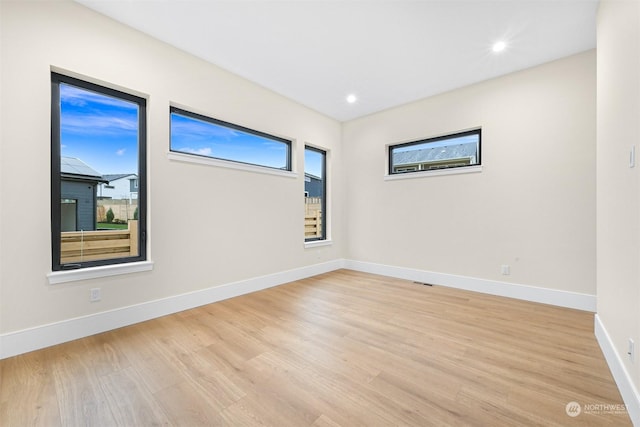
78	194
438	157
312	185
119	186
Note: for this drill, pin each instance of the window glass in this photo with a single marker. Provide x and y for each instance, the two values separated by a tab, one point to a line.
98	140
315	223
199	135
450	151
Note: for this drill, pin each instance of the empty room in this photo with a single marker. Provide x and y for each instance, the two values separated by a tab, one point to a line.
319	213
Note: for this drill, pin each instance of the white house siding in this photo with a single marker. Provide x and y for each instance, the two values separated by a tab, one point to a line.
121	190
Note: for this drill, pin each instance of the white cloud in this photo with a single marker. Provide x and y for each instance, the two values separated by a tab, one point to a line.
121	151
79	97
205	151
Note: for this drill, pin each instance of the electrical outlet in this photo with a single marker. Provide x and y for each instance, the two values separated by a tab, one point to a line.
632	350
94	295
506	269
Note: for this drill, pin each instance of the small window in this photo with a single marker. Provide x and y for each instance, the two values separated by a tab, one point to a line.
315	191
199	135
443	152
95	132
68	215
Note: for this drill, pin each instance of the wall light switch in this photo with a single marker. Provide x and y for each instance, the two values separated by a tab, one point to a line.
632	156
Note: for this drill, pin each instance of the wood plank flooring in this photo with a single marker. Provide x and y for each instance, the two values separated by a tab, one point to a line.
339	349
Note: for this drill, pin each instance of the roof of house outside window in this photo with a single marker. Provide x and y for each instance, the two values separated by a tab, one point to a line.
117	176
71	166
457	151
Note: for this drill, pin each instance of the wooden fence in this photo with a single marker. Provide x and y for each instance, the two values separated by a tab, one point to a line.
313	225
312	204
78	246
123	209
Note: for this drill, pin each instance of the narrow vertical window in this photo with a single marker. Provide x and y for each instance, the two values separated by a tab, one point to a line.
98	146
315	190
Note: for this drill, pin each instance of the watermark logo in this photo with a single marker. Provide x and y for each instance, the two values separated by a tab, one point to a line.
573	409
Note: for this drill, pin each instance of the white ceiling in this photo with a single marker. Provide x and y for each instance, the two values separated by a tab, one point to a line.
387	52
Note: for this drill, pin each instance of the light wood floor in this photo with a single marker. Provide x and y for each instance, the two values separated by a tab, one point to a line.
340	349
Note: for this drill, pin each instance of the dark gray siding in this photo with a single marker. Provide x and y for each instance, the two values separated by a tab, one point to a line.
84	193
313	187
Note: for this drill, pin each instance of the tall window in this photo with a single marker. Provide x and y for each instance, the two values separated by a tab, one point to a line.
98	135
443	152
199	135
315	190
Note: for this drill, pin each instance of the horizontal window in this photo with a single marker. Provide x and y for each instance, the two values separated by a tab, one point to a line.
444	152
204	136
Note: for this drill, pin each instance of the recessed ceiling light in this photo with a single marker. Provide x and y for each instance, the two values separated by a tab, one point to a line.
499	46
351	98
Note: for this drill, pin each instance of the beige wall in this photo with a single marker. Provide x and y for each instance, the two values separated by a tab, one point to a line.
222	240
618	186
533	205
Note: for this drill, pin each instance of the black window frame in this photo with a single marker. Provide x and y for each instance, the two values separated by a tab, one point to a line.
323	205
393	147
196	116
56	80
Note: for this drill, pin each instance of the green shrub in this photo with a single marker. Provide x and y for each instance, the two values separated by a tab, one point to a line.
110	216
135	214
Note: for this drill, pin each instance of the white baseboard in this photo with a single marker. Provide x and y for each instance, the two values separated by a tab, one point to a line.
620	374
529	293
26	340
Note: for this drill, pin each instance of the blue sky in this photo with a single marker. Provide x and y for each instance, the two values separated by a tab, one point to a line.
100	130
313	163
189	135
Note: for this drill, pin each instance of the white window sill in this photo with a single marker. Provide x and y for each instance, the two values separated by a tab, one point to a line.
425	174
56	277
316	243
190	158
